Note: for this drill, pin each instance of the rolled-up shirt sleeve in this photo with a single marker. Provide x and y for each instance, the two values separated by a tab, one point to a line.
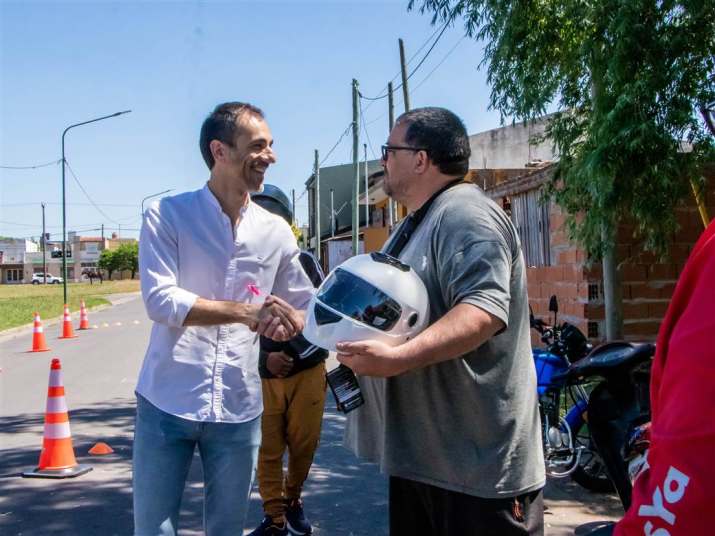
292	283
166	302
479	274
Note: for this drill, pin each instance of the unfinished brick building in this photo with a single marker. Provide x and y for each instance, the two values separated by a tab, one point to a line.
556	266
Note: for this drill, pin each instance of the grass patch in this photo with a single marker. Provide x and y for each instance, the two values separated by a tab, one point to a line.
18	303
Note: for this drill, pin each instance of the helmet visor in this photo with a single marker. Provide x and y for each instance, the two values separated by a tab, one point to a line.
358	299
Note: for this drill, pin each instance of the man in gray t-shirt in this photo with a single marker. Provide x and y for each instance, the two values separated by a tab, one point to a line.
452	415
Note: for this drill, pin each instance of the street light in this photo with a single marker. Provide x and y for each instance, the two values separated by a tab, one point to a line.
64	207
154	195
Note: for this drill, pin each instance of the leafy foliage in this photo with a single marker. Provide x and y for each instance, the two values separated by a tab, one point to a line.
108	262
125	257
629	77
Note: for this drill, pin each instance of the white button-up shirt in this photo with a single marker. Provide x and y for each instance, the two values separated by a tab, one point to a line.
189	249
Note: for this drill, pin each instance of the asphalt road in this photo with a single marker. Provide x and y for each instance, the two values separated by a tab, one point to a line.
343	497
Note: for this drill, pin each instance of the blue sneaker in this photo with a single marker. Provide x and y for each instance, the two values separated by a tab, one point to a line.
296	521
269	528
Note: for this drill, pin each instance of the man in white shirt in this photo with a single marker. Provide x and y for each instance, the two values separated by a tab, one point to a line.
216	270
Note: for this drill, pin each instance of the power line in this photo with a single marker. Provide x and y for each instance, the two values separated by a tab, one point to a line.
439	64
444	58
345	133
87	195
347	129
428	53
367	134
59	233
31	204
18	224
409	61
38	226
444	28
362	115
53	163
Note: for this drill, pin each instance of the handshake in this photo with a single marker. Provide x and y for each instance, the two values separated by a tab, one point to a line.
275	319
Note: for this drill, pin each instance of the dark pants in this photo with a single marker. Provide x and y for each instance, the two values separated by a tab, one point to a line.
418	509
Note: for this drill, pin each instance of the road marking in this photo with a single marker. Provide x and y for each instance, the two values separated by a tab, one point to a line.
95	326
105	325
137	322
117	323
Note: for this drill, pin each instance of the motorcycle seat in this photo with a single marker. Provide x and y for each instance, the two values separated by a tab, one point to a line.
606	358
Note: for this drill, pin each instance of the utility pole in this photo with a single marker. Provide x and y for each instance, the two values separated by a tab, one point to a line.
367	201
64	204
44	239
391	109
293	195
356	170
316	172
332	214
403	68
391	105
102	235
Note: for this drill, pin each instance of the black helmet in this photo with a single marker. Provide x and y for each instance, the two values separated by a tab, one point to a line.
274	200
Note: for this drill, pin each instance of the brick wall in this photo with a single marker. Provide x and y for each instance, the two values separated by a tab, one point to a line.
647	284
566	278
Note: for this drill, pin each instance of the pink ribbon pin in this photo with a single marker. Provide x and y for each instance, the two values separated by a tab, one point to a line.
253	289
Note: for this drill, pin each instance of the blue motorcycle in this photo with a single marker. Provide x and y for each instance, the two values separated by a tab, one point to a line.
568	447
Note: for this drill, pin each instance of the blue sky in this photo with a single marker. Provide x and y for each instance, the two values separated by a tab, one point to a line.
171	63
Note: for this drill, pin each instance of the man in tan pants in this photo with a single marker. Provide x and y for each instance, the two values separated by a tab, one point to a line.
293	381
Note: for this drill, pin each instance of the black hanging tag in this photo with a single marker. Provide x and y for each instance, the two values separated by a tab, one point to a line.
345	388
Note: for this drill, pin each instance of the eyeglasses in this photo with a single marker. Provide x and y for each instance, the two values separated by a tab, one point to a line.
387	148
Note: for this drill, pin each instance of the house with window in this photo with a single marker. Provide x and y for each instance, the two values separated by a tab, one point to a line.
13	255
83	254
497	155
334	238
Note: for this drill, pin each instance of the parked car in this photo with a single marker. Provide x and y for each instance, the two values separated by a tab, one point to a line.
51	279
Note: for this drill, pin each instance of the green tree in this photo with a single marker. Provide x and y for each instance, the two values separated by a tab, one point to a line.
108	261
630	77
127	257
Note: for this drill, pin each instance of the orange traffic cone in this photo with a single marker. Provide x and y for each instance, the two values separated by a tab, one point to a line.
101	449
38	336
57	457
83	318
67	330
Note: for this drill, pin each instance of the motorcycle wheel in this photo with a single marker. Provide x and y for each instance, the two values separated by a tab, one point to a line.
590	473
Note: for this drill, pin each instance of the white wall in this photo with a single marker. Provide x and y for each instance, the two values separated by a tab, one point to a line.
509	147
14	250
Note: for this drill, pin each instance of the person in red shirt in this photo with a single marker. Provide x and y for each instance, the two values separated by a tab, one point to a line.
673	494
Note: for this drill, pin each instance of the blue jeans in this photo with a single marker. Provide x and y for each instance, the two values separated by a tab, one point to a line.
163	449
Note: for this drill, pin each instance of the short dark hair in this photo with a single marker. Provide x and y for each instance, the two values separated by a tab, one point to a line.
442	134
222	125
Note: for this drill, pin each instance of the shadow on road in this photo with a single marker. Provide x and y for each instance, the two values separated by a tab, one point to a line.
342	496
96	503
573	510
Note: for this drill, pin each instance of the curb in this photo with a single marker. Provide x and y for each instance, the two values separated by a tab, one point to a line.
125	297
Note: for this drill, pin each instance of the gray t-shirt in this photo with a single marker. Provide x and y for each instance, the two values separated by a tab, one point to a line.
469	424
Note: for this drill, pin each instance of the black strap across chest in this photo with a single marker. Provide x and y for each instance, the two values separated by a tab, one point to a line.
409	226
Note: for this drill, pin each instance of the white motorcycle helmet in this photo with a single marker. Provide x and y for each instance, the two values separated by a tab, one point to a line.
368	297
